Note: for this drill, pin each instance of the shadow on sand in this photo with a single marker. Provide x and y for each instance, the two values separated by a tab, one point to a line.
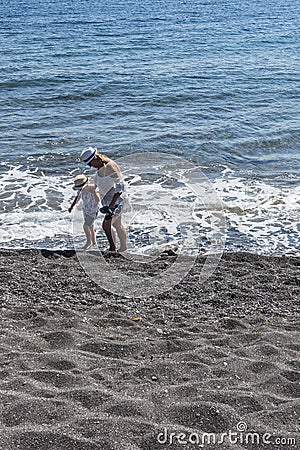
57	253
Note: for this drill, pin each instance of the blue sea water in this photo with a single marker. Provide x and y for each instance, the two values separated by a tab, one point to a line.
214	82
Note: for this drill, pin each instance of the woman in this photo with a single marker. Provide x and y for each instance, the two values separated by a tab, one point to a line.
111	188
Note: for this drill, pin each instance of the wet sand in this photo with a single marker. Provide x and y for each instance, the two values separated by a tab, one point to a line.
84	369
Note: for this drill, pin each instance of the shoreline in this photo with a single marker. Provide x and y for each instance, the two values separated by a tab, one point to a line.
289	253
85	369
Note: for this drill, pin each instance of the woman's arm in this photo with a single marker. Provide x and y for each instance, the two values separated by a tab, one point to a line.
114	199
119	189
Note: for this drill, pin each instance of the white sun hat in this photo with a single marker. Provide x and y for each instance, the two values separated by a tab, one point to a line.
88	154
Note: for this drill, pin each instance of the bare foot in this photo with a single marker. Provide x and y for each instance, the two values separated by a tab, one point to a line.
92	247
110	252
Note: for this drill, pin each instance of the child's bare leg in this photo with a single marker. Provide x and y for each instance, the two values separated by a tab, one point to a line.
88	236
121	231
93	235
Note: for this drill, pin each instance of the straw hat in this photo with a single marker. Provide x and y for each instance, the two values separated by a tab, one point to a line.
79	182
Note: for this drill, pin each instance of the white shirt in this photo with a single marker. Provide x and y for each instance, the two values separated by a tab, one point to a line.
90	205
108	186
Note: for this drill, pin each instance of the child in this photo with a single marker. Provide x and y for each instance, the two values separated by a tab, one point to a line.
90	205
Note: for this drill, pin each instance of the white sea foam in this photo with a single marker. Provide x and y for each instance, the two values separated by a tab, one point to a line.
34	207
261	217
267	216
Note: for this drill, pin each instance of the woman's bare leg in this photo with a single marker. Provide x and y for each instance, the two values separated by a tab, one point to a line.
106	225
121	232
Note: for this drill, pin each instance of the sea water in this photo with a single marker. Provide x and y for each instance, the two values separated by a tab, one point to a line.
216	83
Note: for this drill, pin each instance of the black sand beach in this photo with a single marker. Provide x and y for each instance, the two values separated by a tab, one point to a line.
88	370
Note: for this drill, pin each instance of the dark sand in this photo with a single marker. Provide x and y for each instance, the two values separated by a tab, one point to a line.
78	373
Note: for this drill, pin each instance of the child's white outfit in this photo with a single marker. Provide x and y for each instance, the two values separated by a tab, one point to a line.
90	207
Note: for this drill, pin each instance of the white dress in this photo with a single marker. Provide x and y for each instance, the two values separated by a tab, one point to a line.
108	186
89	204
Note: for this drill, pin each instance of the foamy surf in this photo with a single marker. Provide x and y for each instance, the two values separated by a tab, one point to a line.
260	217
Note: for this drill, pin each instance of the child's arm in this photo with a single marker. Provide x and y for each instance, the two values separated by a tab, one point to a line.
95	193
74	202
